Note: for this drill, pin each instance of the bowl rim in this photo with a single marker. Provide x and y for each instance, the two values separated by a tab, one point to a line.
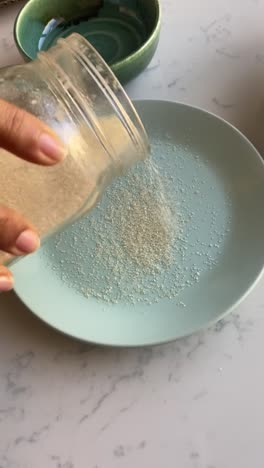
116	66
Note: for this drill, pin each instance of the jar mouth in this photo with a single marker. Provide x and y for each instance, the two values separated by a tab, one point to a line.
105	80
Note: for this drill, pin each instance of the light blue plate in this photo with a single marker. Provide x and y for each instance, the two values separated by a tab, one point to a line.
215	179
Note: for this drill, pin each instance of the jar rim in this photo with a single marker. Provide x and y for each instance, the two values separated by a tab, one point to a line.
103	75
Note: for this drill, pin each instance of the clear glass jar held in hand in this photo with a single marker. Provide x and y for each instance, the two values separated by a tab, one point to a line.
87	123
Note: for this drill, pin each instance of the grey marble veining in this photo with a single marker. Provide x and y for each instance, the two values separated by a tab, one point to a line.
195	403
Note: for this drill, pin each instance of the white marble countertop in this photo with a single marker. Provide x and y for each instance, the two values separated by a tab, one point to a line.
196	403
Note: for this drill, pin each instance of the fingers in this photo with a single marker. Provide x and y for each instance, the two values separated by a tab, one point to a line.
17	236
27	137
6	279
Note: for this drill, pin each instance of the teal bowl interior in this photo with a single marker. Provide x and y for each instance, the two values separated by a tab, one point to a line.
125	32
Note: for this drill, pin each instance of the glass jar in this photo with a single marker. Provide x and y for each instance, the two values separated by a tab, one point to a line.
71	89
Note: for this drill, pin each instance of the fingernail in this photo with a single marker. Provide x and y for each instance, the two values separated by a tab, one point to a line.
28	241
51	148
6	283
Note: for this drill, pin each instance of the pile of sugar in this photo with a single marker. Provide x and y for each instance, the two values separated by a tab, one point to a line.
145	242
120	250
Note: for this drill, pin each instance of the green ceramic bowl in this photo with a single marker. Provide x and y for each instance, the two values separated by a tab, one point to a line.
214	178
125	32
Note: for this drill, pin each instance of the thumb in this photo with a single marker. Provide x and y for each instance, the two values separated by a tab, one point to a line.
27	137
6	279
17	236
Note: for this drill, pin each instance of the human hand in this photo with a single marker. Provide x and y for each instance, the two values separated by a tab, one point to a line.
30	139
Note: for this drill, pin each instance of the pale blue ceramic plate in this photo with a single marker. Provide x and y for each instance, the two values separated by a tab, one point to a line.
215	179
